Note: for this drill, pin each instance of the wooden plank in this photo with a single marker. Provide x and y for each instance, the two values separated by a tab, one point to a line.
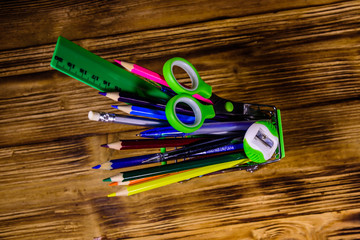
265	201
42	22
190	212
256	34
302	56
44	183
56	106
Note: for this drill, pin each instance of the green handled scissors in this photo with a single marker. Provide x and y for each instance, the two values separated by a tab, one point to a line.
220	106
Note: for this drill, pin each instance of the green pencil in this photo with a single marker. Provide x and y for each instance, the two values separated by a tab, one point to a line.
177	167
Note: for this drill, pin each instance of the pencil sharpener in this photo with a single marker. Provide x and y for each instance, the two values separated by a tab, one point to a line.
263	140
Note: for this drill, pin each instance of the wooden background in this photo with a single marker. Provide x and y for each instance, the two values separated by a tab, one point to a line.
301	56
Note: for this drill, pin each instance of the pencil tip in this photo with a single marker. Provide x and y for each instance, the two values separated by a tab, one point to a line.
126	65
102	93
107	180
105	145
114	106
113	184
97	167
112	195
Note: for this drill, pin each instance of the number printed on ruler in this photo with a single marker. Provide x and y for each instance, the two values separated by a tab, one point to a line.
83	75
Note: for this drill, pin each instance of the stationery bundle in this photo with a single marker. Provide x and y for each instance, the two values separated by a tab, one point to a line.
210	134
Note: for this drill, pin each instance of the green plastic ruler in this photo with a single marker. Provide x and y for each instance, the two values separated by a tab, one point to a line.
98	73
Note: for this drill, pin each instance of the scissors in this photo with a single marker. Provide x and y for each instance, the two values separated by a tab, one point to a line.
221	106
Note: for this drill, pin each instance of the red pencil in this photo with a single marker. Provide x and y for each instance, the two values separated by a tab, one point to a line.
151	143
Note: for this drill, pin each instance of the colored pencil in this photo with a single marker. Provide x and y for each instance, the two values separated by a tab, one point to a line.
146	73
212	128
143	159
137	181
170	168
145	186
246	166
152	113
124	162
151	143
129	120
131	98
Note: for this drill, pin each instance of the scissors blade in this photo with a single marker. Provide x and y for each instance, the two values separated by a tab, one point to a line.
239	110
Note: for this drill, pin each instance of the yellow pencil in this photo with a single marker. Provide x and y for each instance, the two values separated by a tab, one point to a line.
141	187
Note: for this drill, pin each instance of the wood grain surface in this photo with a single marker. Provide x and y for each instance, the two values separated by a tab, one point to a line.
301	56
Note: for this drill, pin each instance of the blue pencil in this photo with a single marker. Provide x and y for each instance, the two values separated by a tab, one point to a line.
138	101
213	128
138	160
124	162
152	113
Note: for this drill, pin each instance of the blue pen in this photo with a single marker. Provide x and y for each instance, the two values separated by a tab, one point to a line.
138	160
152	113
227	148
213	128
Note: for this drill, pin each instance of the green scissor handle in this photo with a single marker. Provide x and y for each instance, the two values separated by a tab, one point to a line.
198	85
201	112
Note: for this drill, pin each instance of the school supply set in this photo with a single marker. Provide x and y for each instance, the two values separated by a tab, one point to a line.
210	134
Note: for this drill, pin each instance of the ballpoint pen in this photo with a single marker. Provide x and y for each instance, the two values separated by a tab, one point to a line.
212	128
193	149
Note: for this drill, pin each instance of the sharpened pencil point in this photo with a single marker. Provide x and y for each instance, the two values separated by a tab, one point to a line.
105	145
102	93
114	106
126	65
107	180
113	184
112	195
97	167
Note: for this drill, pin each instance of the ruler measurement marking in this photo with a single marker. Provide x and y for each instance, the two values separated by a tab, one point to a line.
83	74
79	63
